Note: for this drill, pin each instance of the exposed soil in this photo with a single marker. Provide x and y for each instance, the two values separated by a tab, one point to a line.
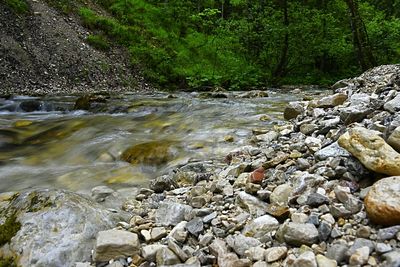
44	52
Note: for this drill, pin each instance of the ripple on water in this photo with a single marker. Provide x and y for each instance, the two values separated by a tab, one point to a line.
78	150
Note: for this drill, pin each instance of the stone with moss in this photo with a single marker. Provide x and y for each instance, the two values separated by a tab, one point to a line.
151	153
51	228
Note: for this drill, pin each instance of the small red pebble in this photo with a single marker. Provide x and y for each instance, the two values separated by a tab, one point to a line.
257	176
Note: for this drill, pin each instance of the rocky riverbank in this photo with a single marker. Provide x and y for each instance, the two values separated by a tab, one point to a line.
322	190
45	51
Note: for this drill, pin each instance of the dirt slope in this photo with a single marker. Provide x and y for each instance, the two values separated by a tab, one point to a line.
44	52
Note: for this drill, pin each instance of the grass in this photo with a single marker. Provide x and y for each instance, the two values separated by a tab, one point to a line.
18	6
7	230
99	42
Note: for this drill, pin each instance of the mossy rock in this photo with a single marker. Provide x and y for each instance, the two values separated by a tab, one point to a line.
7	262
150	153
8	229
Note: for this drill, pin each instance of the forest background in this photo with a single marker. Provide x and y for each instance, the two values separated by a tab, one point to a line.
245	44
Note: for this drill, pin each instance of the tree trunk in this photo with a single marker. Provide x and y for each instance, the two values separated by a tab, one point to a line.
281	68
360	37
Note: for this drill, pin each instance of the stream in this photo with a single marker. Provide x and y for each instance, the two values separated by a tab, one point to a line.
44	142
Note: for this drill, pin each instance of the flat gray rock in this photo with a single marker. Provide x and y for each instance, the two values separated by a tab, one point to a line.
114	244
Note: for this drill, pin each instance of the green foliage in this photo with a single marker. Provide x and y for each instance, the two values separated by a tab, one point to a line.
7	230
18	6
98	42
9	262
238	44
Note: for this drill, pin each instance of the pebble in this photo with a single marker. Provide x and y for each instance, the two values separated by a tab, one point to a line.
360	256
306	259
195	226
294	186
113	244
165	256
323	261
275	254
298	234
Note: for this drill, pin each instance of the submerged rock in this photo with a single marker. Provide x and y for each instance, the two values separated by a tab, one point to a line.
383	201
57	227
152	153
292	110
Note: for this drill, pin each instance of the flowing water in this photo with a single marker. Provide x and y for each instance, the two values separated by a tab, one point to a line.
57	146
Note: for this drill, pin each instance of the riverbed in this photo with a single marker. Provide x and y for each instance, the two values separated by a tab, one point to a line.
51	143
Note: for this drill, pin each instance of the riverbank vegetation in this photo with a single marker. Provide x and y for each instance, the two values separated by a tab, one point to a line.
241	44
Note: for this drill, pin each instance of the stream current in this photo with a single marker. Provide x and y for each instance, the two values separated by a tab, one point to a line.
54	145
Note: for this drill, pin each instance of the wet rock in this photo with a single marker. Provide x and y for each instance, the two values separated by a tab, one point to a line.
333	150
165	256
300	234
382	202
332	100
368	147
259	227
114	244
152	153
162	183
275	254
253	94
252	204
48	219
170	213
30	105
268	137
99	193
292	110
